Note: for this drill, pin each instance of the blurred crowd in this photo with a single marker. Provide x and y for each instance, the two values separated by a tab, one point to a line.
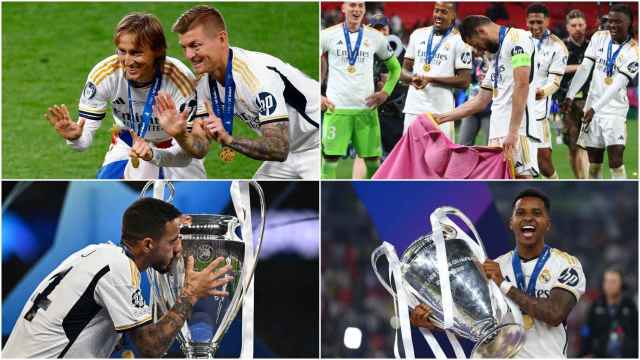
598	227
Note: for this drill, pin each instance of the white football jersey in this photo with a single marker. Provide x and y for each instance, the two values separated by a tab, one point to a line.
516	42
80	309
550	59
453	54
106	84
560	271
269	90
626	64
349	90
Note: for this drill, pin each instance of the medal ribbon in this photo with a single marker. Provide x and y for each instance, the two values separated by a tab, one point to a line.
352	54
147	112
501	36
611	60
517	270
226	113
430	54
544	36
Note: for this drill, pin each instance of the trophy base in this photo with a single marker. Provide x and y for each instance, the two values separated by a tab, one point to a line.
503	342
197	350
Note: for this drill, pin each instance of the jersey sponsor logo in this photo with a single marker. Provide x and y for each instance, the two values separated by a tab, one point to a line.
266	103
565	59
137	300
466	58
633	67
569	277
517	50
89	90
543	293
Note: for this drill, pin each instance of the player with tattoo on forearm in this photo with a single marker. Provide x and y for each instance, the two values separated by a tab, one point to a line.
544	282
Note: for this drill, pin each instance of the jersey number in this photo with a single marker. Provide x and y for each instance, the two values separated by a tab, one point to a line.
331	133
42	301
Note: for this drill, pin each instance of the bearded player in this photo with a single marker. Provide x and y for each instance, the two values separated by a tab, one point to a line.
550	62
507	87
351	104
614	53
129	82
441	61
544	282
274	98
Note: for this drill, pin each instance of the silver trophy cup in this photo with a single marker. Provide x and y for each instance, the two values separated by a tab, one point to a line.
207	237
477	311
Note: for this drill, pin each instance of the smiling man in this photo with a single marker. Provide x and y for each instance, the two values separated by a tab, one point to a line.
129	82
544	282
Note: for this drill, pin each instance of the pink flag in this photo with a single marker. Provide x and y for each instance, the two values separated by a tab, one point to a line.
424	152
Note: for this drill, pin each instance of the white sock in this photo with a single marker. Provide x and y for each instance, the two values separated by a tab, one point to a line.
618	173
553	176
595	171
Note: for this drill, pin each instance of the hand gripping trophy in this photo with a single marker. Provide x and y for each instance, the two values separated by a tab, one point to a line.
207	237
444	270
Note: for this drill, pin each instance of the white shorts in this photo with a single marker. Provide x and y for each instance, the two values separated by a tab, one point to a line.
603	131
299	165
526	155
546	134
447	128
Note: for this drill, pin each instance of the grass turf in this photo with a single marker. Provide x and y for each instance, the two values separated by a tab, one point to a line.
49	49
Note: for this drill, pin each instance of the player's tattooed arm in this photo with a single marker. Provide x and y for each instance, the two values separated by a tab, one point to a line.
154	340
553	310
195	142
273	145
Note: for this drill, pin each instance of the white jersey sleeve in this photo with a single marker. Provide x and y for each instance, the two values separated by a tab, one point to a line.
410	52
559	59
568	274
269	99
384	50
119	293
98	91
463	56
628	63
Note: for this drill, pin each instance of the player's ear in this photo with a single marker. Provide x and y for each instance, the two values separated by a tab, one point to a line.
147	244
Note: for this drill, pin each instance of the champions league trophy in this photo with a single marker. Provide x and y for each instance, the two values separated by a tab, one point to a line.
207	237
444	270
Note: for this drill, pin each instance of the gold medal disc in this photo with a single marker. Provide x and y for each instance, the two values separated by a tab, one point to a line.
495	92
527	321
608	80
427	67
135	162
351	69
227	154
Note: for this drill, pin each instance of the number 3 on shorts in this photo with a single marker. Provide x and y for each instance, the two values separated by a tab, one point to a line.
331	133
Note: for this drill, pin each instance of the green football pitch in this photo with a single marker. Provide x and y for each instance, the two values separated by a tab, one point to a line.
48	50
560	156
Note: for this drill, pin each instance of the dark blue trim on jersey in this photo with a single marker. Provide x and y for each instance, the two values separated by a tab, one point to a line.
294	98
82	312
114	170
282	119
90	115
126	137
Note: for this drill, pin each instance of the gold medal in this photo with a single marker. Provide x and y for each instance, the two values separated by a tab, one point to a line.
226	154
495	92
527	321
608	80
135	162
427	67
351	69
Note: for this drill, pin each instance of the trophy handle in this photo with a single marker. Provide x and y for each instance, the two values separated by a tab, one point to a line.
375	255
158	189
263	214
444	212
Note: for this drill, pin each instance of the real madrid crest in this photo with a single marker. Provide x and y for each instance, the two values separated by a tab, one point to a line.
545	276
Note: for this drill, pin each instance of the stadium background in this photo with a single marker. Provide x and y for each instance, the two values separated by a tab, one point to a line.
72	215
596	222
49	48
406	16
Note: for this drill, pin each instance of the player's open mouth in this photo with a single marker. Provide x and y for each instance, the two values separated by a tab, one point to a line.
437	21
528	230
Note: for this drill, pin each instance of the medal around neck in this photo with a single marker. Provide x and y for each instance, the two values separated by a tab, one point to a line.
226	154
207	237
443	270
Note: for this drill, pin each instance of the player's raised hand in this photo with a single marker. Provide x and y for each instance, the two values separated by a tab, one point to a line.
140	149
376	99
566	105
419	82
215	128
58	116
509	145
492	271
207	282
326	104
172	122
419	317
